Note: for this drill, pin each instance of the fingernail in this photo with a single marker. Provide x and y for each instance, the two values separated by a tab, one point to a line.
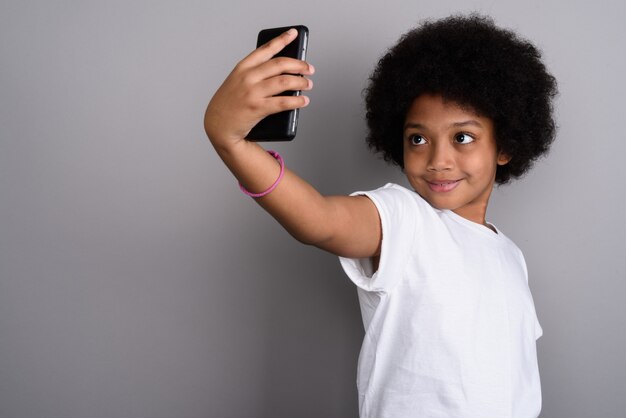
291	32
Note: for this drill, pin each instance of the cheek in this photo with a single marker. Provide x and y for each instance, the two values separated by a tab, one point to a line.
413	164
480	165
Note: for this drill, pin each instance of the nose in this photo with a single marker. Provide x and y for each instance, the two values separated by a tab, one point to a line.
441	157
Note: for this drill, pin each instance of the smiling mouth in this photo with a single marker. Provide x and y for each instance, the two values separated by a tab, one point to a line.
443	186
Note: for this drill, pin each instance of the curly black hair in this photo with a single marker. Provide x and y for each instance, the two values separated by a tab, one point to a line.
481	67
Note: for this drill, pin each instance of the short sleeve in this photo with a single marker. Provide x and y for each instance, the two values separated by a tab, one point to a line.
398	210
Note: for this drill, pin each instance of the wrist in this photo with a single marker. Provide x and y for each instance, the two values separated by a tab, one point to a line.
226	146
237	154
221	137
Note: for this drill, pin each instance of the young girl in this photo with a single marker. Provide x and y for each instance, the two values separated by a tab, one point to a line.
459	104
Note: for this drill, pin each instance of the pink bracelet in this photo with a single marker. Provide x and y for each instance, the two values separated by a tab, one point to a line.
273	186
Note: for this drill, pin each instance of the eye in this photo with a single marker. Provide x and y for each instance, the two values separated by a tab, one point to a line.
417	140
463	138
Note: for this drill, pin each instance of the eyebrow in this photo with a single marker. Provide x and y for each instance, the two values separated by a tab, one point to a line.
470	122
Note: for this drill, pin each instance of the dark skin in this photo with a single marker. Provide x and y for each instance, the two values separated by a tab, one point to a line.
451	156
347	226
343	225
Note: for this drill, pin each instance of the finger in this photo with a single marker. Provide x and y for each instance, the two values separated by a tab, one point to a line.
283	65
281	103
266	51
281	83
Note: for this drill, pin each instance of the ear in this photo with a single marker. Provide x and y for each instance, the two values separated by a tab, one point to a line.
503	158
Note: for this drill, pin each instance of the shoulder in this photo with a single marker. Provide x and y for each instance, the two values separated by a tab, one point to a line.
402	208
510	244
513	252
394	196
389	191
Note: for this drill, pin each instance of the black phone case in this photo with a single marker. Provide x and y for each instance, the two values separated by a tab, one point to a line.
281	126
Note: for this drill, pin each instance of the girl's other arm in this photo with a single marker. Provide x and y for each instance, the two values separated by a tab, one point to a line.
347	226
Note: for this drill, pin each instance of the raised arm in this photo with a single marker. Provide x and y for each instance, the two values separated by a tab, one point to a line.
342	225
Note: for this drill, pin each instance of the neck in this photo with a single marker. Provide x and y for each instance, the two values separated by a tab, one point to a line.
475	213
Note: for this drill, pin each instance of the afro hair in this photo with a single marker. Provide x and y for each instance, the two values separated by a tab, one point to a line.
469	61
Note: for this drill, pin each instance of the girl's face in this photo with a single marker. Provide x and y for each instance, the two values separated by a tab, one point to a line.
451	156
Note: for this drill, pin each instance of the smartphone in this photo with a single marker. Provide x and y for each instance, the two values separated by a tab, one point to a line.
281	126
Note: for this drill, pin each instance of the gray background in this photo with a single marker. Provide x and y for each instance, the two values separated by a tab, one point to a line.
137	281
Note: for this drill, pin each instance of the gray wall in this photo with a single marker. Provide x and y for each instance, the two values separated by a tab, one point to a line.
137	281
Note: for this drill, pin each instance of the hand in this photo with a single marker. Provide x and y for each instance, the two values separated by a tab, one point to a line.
249	93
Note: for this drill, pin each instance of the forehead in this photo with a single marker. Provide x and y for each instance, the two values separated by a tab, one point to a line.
433	111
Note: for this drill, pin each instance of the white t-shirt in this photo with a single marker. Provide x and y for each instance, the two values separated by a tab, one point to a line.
450	321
